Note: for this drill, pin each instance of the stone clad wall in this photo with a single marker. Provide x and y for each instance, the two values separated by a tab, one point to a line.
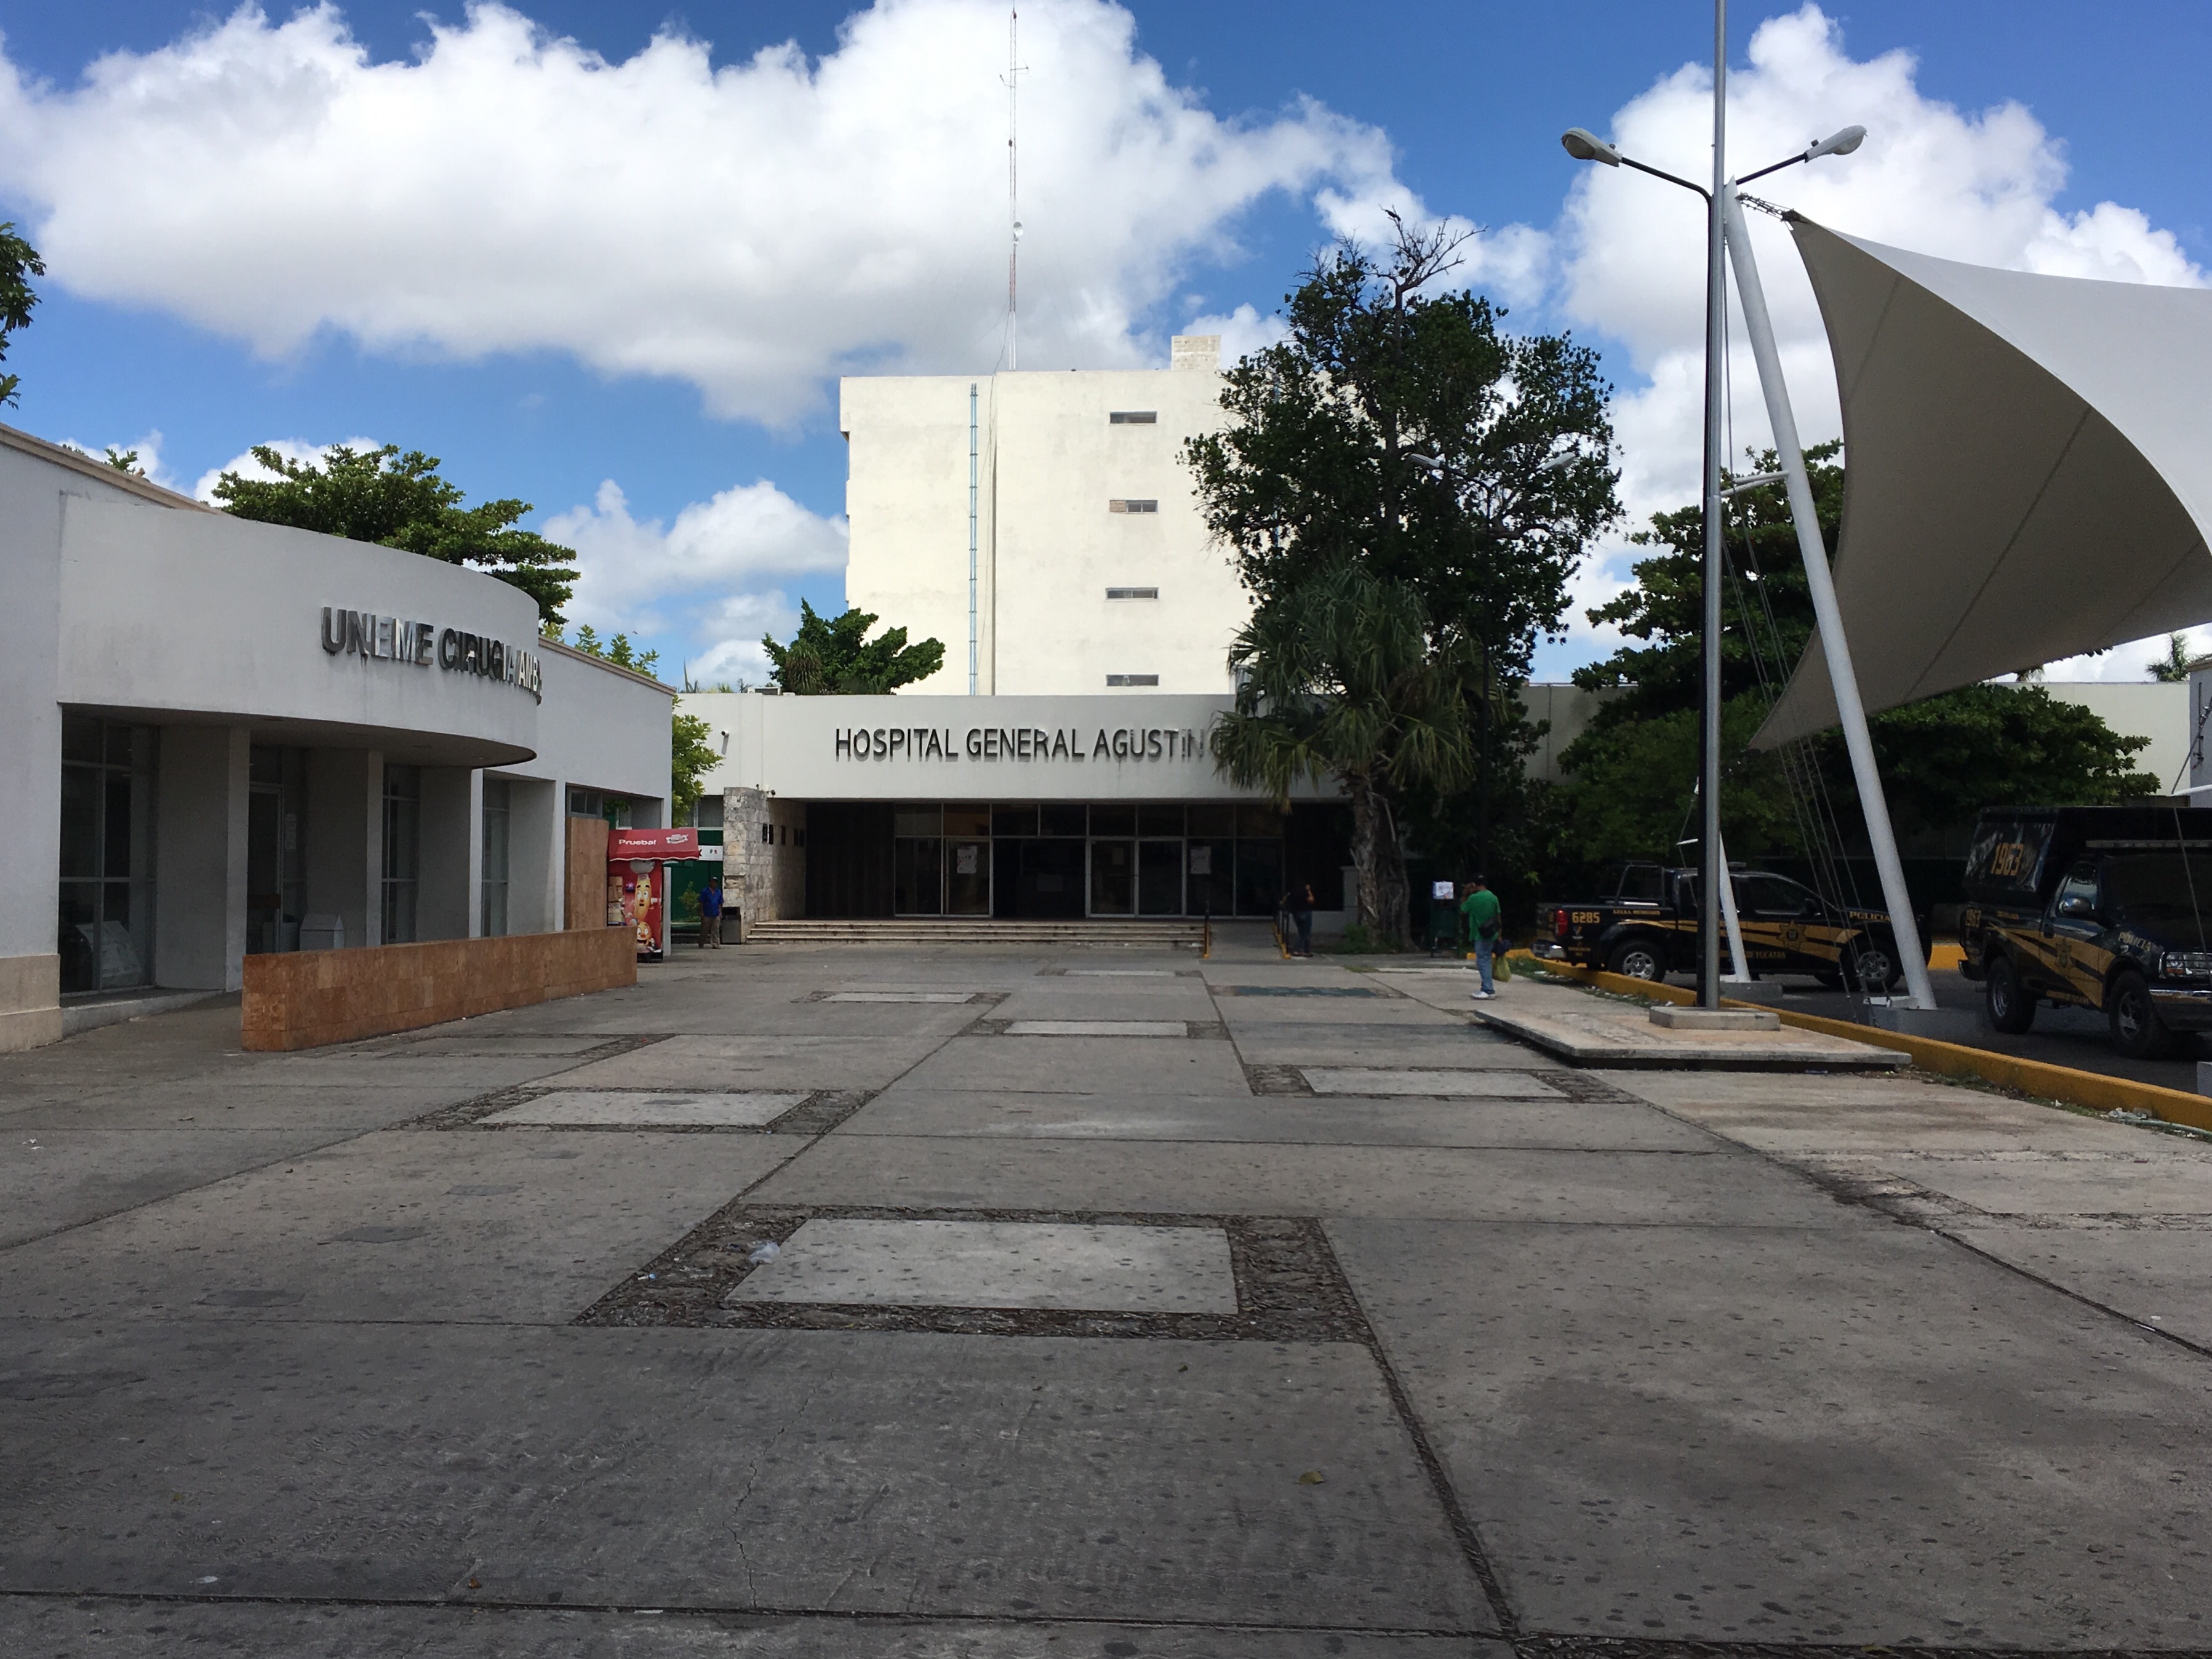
305	999
763	876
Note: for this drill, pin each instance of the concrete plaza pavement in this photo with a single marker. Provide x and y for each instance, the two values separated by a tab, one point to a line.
1115	1344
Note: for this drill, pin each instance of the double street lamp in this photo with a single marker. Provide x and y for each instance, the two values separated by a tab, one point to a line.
1725	236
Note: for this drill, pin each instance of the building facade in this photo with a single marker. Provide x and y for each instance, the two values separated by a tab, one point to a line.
1054	807
229	738
1043	527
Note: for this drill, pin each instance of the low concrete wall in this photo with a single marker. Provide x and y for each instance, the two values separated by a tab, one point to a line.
304	999
30	1002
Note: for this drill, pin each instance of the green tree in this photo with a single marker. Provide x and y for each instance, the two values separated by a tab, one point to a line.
618	650
1630	776
690	757
2175	666
400	500
19	263
124	461
834	656
1397	430
1339	679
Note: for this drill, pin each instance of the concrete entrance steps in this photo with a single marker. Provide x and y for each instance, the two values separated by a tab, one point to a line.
1163	933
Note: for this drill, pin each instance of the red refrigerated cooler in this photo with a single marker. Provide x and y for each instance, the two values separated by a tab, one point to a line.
637	883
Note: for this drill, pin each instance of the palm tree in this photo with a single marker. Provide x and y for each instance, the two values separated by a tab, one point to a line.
1338	677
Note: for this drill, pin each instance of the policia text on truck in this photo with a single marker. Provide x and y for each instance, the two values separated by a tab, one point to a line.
2093	907
1644	924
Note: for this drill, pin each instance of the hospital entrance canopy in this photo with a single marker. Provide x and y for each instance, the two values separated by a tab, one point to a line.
2029	470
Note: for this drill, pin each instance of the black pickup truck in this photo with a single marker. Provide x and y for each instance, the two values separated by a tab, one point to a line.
1645	926
2103	907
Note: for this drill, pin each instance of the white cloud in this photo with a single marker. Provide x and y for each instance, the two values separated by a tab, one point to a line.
1972	187
752	228
246	464
691	582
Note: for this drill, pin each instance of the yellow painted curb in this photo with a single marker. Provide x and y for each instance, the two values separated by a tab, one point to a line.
2035	1077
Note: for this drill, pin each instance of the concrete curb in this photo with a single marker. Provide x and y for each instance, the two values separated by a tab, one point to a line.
2034	1077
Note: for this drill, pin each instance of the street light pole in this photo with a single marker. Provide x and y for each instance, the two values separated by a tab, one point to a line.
1711	872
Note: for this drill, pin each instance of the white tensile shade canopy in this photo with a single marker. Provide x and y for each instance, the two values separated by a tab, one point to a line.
2029	470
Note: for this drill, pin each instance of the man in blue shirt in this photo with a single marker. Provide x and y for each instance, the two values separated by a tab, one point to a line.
710	914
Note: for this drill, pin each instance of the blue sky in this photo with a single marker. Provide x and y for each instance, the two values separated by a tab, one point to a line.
252	264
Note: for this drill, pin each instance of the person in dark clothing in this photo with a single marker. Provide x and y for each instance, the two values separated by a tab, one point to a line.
1302	909
710	915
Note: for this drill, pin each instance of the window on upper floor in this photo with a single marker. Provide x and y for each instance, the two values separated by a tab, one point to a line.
1133	592
1134	417
1132	505
1133	679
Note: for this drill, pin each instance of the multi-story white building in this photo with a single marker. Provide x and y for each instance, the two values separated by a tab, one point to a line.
1043	527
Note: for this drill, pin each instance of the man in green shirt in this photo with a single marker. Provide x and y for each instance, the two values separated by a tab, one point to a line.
1480	908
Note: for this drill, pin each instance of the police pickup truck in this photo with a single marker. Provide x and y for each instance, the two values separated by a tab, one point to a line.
1645	926
2093	906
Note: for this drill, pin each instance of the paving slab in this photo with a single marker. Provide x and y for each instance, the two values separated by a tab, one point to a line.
1719	1187
2161	1182
1000	1264
1868	1114
1431	1045
950	997
54	1179
523	1227
1682	1435
1081	1064
1373	1081
907	1474
604	1108
768	1062
1280	1119
1099	1028
450	1041
2162	1278
1589	1031
118	1628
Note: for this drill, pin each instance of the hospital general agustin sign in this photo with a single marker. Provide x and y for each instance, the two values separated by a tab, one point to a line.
418	644
1019	743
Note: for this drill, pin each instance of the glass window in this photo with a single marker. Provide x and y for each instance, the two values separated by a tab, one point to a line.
917	876
708	814
1772	895
1160	878
967	818
2154	889
403	849
1113	878
497	804
2080	888
968	877
1212	887
1113	820
105	918
1059	820
1639	885
1212	821
1159	820
1259	877
1264	819
918	821
1013	820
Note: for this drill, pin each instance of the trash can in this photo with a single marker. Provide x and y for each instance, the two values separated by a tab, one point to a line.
322	932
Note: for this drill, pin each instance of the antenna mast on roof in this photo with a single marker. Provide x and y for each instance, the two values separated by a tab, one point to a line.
1014	67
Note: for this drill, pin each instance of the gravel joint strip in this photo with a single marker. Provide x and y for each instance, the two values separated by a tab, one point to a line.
821	1111
1289	1286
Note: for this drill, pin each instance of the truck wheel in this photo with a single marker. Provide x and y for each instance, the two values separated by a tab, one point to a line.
2137	1031
1636	958
2011	1010
1871	964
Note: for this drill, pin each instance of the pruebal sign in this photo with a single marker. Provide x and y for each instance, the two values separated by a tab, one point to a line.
1020	743
417	644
